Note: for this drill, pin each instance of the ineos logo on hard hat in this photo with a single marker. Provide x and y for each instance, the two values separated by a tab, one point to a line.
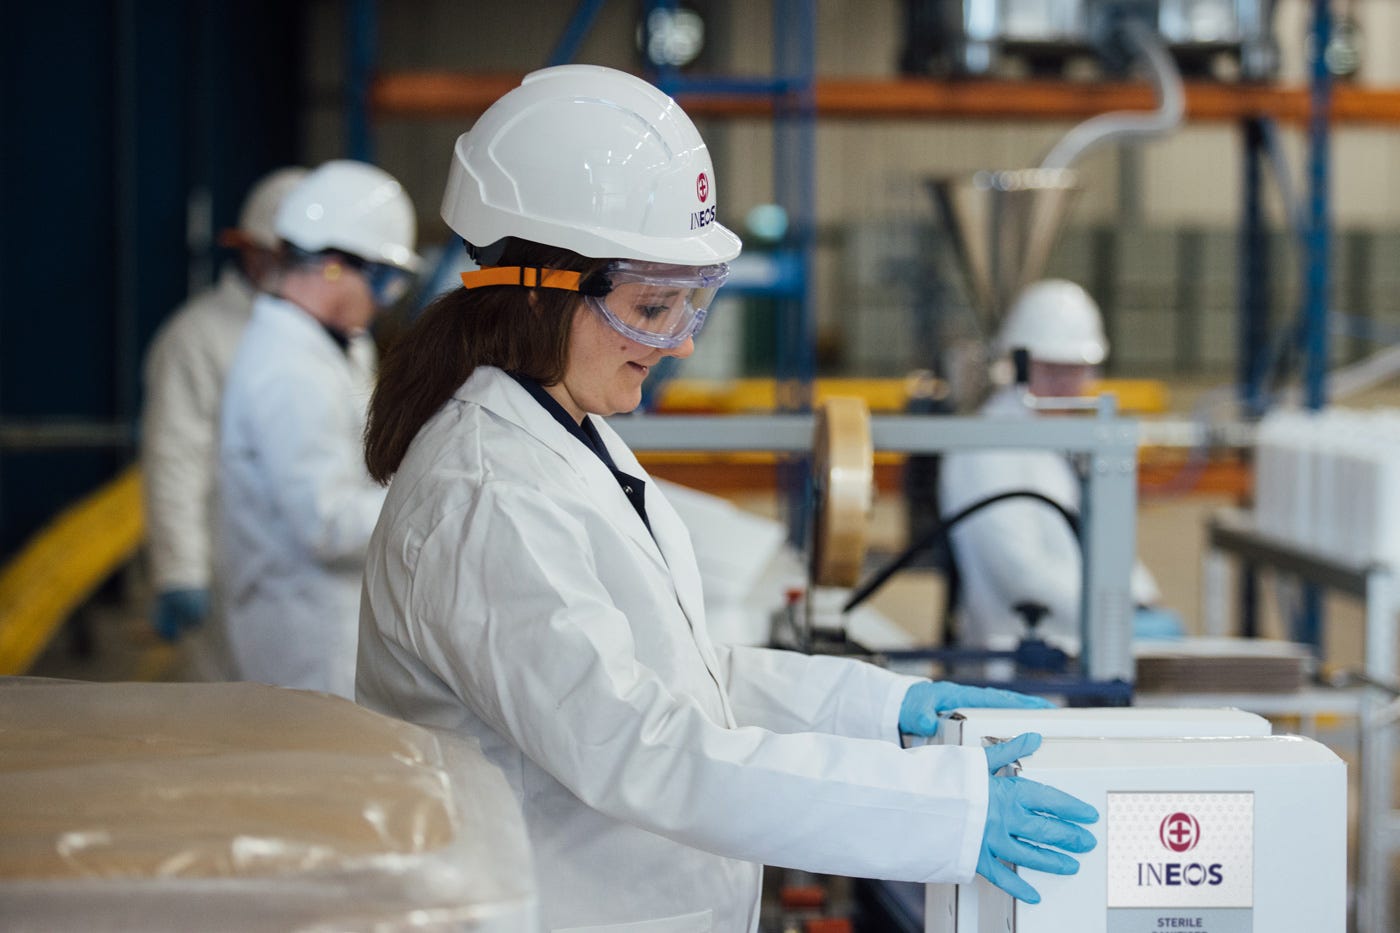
702	187
1180	832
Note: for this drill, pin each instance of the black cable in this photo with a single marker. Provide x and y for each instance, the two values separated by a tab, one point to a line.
945	528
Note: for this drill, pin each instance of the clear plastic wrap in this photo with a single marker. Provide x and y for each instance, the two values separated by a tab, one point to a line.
246	807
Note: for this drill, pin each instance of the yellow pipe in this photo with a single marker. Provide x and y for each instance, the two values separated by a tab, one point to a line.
63	564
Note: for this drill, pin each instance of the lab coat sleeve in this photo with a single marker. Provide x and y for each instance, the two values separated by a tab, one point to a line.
315	465
786	691
178	429
513	617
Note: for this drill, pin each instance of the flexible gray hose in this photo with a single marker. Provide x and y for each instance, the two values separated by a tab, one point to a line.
1171	105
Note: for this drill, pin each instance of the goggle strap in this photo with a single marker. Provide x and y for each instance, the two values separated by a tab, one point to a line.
522	276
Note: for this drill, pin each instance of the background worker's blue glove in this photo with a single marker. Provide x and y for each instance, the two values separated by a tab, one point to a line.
1023	817
918	714
1156	622
178	611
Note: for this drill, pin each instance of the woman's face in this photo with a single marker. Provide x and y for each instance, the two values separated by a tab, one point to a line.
604	372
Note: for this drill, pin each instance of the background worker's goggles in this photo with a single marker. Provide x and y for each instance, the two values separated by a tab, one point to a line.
387	284
655	304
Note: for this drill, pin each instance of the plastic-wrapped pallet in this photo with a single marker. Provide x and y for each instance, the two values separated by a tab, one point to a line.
245	807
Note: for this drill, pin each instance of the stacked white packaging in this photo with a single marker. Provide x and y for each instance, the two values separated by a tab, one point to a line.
1329	482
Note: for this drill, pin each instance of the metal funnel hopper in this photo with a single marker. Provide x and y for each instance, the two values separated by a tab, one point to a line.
1002	227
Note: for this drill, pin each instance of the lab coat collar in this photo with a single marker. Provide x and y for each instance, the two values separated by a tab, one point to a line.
671	536
500	394
297	324
668	541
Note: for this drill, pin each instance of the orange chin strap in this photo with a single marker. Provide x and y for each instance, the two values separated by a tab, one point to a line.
523	276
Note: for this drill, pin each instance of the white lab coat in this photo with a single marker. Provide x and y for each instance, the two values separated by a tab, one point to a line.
1019	550
184	376
295	503
512	593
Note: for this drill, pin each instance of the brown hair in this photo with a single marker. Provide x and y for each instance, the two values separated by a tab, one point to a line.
519	330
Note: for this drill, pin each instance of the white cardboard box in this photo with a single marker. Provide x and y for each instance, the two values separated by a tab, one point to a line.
1208	835
949	908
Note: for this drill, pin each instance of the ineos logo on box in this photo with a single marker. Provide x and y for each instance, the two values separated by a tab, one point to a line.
1180	832
1180	849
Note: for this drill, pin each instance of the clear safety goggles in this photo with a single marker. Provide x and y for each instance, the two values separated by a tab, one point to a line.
656	304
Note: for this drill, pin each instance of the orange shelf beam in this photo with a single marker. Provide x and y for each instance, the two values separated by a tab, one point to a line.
456	94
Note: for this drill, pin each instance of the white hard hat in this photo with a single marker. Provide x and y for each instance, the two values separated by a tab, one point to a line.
591	160
353	207
1056	322
255	219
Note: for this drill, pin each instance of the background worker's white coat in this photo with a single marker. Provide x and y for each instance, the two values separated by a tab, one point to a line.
1019	550
295	503
184	379
512	593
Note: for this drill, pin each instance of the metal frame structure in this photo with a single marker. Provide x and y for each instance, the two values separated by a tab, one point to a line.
1106	442
1315	229
1231	533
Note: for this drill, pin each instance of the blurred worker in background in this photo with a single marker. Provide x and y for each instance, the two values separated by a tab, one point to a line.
295	505
529	584
1022	551
185	370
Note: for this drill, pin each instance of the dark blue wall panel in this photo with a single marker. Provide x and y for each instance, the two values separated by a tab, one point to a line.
111	114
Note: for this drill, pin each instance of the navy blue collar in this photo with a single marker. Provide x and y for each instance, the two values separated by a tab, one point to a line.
341	338
632	487
585	431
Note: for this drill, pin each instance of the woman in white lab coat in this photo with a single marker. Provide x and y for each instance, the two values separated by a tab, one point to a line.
529	586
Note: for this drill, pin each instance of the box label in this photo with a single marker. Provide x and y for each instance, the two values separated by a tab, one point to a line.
1180	862
1157	920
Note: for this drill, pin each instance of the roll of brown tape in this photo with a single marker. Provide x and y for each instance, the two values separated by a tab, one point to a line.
843	467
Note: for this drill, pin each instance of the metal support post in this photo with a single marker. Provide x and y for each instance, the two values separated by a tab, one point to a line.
1109	514
1308	626
1378	834
575	32
794	149
362	27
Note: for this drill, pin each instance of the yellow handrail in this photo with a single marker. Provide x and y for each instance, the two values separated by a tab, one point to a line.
61	565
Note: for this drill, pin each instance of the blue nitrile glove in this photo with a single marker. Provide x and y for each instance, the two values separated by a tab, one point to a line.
918	714
1156	622
1025	816
178	611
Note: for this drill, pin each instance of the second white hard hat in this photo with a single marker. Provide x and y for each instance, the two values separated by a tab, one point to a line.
1056	322
257	215
353	207
592	160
